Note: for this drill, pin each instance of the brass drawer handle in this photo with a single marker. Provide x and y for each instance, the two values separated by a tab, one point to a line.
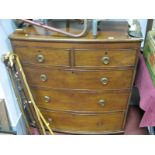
104	80
40	58
47	99
105	60
43	77
101	102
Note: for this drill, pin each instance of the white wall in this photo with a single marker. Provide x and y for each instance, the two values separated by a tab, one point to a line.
6	28
1	92
143	24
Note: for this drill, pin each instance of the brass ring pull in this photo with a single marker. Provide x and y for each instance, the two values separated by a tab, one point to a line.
47	99
101	102
43	77
105	60
40	58
104	80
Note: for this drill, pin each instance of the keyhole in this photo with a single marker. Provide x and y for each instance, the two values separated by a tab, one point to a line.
105	53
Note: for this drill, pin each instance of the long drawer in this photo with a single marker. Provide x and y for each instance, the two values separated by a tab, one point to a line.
79	79
105	58
84	123
78	44
43	57
82	101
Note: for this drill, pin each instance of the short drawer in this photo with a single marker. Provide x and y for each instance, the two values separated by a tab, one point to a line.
84	123
105	58
43	57
83	101
79	79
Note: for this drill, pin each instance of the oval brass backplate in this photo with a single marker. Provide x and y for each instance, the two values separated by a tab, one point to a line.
40	58
105	60
101	102
47	99
104	80
43	77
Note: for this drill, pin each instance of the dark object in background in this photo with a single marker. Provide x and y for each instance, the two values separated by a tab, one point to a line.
20	24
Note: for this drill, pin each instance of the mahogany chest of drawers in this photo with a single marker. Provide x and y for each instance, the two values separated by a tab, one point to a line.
82	86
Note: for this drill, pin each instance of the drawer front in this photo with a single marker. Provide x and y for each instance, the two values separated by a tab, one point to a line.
43	57
84	123
105	58
88	79
76	44
80	100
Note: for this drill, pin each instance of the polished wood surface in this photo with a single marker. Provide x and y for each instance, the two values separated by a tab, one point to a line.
81	57
76	91
84	123
79	79
108	44
81	101
117	58
51	57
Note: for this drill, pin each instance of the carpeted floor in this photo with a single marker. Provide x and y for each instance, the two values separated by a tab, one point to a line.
133	120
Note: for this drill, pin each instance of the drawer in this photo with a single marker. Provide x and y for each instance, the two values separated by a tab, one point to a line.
79	79
43	56
76	43
74	100
105	58
84	123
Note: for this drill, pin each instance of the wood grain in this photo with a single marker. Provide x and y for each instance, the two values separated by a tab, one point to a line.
79	79
43	44
84	123
74	69
52	57
93	58
80	101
